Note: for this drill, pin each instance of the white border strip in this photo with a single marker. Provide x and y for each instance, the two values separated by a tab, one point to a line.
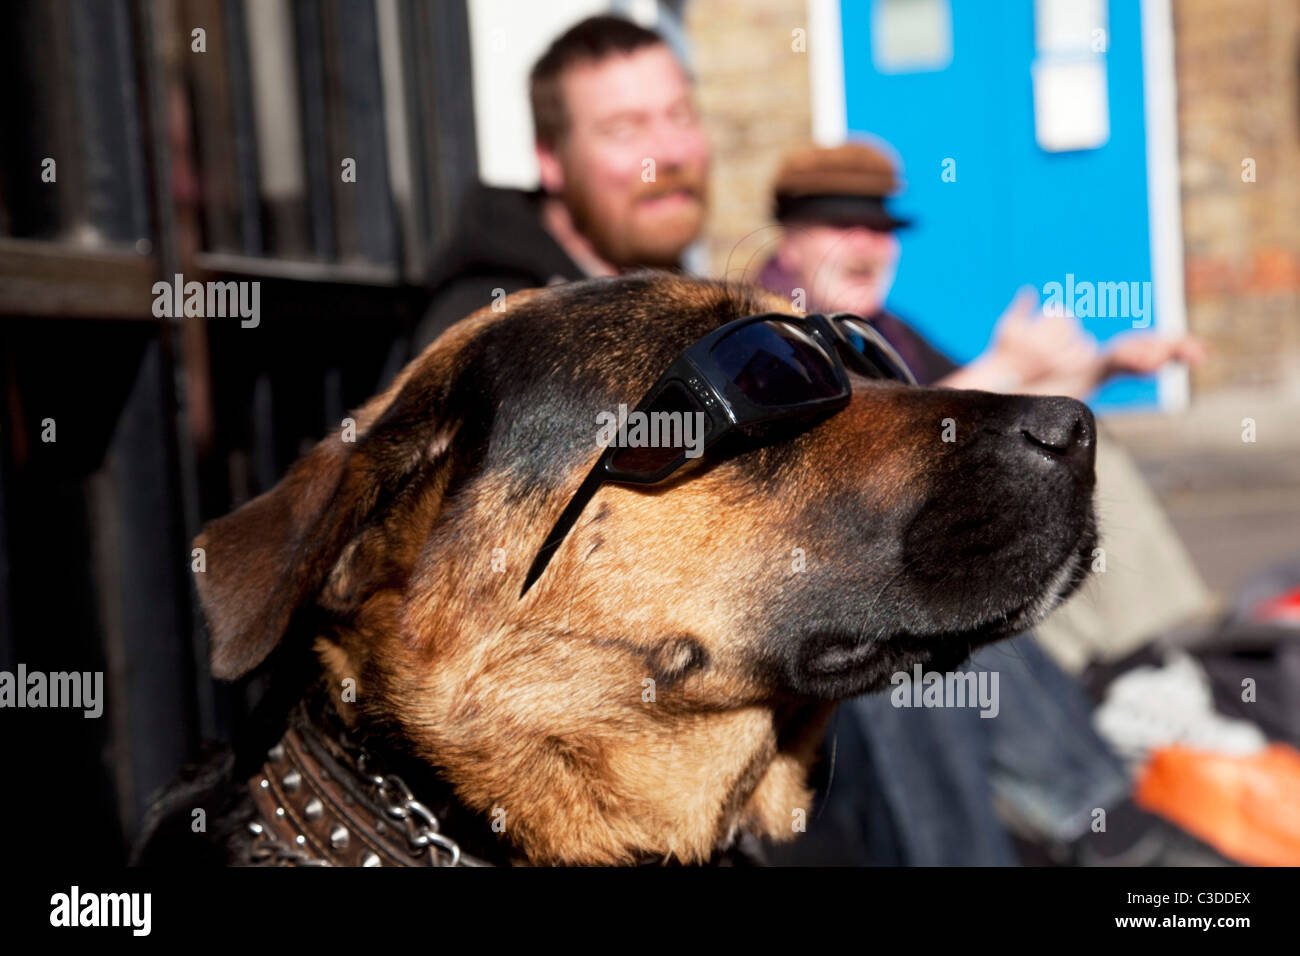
1163	197
826	72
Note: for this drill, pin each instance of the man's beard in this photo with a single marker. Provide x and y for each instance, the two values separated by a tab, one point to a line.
627	245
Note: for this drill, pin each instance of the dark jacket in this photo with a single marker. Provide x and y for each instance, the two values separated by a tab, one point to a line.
498	243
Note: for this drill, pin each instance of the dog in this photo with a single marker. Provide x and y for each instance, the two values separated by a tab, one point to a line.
659	694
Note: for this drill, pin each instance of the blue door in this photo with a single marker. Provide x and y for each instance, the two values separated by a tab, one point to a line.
1003	197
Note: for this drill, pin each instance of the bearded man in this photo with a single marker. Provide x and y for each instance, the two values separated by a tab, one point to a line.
623	164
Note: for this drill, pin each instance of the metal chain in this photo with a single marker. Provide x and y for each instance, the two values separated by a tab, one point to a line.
397	801
400	804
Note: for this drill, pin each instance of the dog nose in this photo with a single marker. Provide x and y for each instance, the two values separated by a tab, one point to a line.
1060	428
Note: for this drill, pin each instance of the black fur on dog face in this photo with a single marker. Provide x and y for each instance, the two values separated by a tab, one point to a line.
988	533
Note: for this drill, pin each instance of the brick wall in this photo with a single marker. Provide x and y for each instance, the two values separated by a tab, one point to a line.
1237	99
753	92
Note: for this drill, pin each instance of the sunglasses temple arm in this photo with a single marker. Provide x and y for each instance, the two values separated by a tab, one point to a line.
564	524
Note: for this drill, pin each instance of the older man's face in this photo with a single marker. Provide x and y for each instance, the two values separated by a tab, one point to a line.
633	166
842	268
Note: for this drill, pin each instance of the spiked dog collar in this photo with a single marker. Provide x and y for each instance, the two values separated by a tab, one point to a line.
323	802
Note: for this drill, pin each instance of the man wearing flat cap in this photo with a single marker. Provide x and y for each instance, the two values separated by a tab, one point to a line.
839	253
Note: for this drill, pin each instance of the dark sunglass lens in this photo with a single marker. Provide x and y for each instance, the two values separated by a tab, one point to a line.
874	357
643	461
776	363
672	426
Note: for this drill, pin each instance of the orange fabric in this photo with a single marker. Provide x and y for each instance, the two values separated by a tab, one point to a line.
1248	808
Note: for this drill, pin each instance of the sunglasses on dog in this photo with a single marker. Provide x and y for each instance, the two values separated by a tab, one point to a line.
756	370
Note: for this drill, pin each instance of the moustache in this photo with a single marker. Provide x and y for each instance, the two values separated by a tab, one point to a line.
672	183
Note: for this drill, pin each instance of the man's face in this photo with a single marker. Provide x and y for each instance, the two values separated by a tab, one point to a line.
842	268
633	166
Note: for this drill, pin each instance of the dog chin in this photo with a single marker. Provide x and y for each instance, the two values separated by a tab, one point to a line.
1064	581
833	666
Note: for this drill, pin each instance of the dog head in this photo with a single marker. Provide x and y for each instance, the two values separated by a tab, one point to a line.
665	681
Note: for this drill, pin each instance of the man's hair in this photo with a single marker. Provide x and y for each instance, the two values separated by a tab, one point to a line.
589	41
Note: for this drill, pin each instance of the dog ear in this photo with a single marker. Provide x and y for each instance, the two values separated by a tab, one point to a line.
269	557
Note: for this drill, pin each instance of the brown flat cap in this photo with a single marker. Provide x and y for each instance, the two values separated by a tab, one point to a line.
843	185
853	169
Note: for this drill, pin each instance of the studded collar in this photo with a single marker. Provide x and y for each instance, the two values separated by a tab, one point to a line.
321	801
